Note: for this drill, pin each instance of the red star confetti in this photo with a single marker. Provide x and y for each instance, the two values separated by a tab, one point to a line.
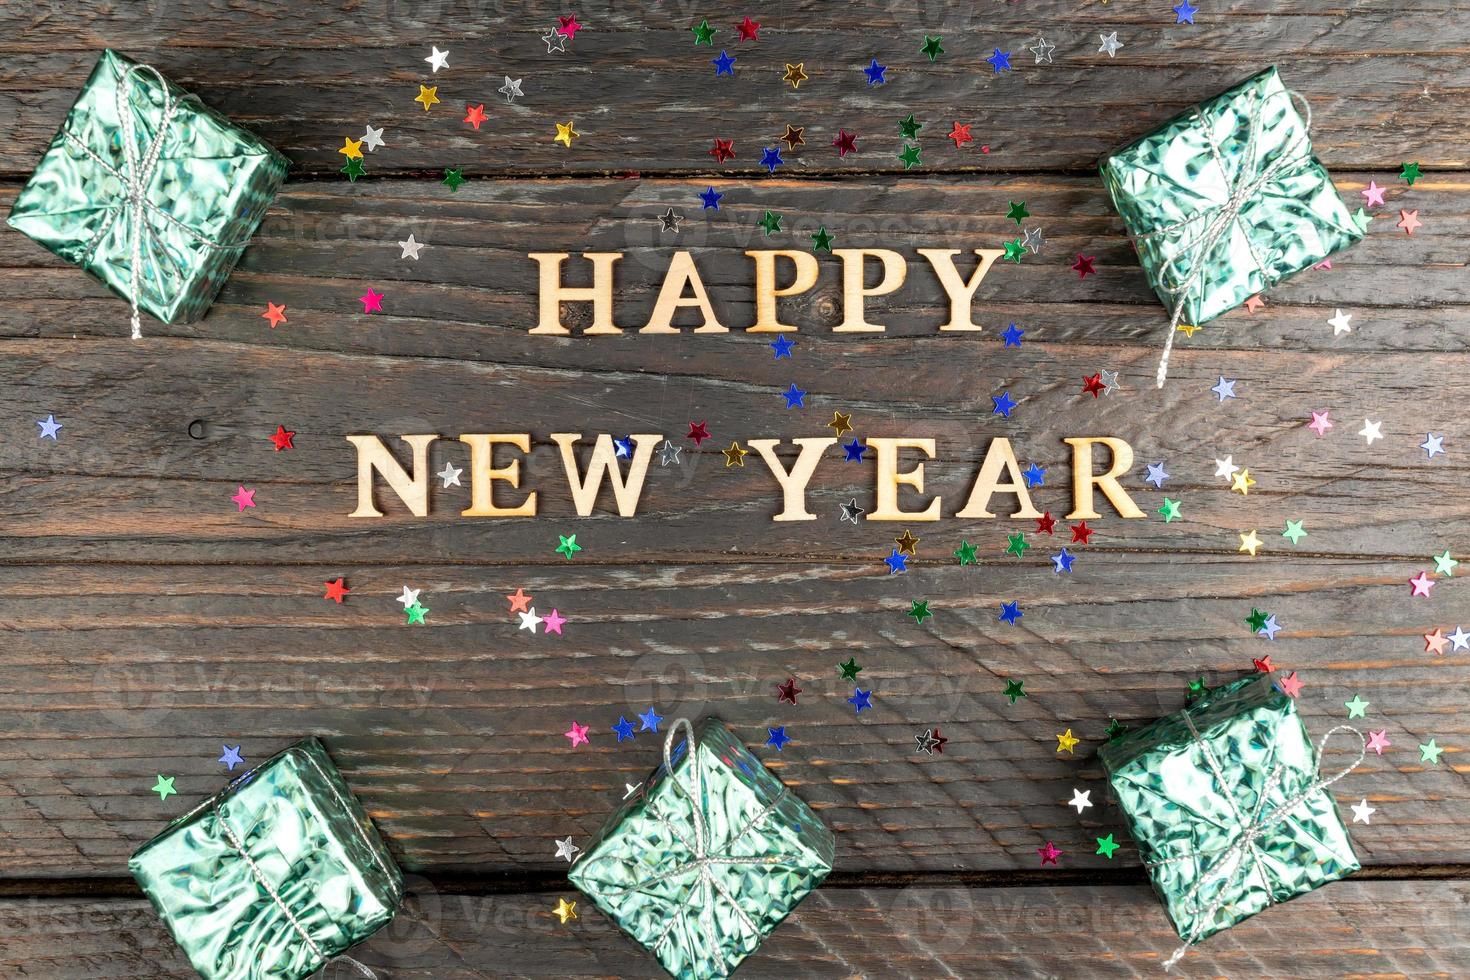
787	692
337	590
845	142
243	498
1264	665
1093	386
282	438
1046	524
748	29
276	314
698	432
1049	853
577	733
1081	533
1290	685
1421	585
1083	266
475	114
723	150
960	133
371	302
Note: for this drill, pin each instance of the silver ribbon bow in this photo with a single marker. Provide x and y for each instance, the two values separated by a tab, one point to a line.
136	174
269	886
1231	861
703	859
1247	182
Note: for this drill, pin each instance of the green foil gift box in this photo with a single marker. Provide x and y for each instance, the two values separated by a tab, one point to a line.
708	857
274	876
150	191
1226	200
1227	807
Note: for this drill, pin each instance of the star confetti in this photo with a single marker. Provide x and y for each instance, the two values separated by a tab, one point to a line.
164	787
337	591
1014	690
428	95
565	910
1066	742
568	546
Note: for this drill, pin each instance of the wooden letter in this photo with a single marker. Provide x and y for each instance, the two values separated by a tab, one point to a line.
553	293
483	474
961	293
604	463
671	297
999	457
1083	478
765	286
889	478
412	490
793	483
853	266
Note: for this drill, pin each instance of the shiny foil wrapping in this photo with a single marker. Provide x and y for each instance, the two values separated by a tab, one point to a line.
702	920
1176	807
300	828
213	181
1167	185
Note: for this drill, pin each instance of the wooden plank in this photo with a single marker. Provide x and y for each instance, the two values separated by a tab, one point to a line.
451	733
645	98
1350	928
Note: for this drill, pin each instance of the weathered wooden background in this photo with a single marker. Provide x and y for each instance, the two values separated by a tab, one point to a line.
146	622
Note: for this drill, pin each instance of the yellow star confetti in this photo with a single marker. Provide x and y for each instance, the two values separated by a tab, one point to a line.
735	456
1066	742
1188	329
565	910
428	95
1249	542
351	148
1242	483
565	133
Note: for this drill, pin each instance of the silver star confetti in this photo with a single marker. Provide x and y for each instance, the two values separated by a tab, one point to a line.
668	453
1042	49
1081	800
851	511
1110	44
511	89
409	597
437	59
1033	240
926	742
411	248
554	41
1109	381
566	849
372	138
450	475
669	221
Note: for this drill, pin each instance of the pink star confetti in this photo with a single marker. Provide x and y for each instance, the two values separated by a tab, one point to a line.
1408	221
1290	685
243	498
577	733
1378	741
569	27
1421	584
1049	853
372	302
1320	423
1324	264
553	622
1373	194
1435	641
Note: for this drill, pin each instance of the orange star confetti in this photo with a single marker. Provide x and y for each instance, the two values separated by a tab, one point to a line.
275	313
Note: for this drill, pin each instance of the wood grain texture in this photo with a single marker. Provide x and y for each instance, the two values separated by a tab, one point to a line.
1387	84
1350	928
451	733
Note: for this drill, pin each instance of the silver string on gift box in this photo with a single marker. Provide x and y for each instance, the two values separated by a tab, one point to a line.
1244	186
269	887
703	860
1230	860
136	174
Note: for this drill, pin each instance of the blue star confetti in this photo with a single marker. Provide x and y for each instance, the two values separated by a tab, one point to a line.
624	728
711	199
782	347
854	450
860	699
875	72
777	737
897	562
1062	561
724	64
1010	612
1035	475
795	397
771	158
1000	61
1012	336
649	720
1003	404
1184	13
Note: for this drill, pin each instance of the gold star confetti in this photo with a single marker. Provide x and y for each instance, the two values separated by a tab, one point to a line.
1066	742
1242	483
565	910
428	95
1188	329
735	456
840	424
351	148
906	543
1249	542
795	74
565	134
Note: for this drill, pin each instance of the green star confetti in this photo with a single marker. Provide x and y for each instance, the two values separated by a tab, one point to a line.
920	610
568	546
1015	691
965	553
